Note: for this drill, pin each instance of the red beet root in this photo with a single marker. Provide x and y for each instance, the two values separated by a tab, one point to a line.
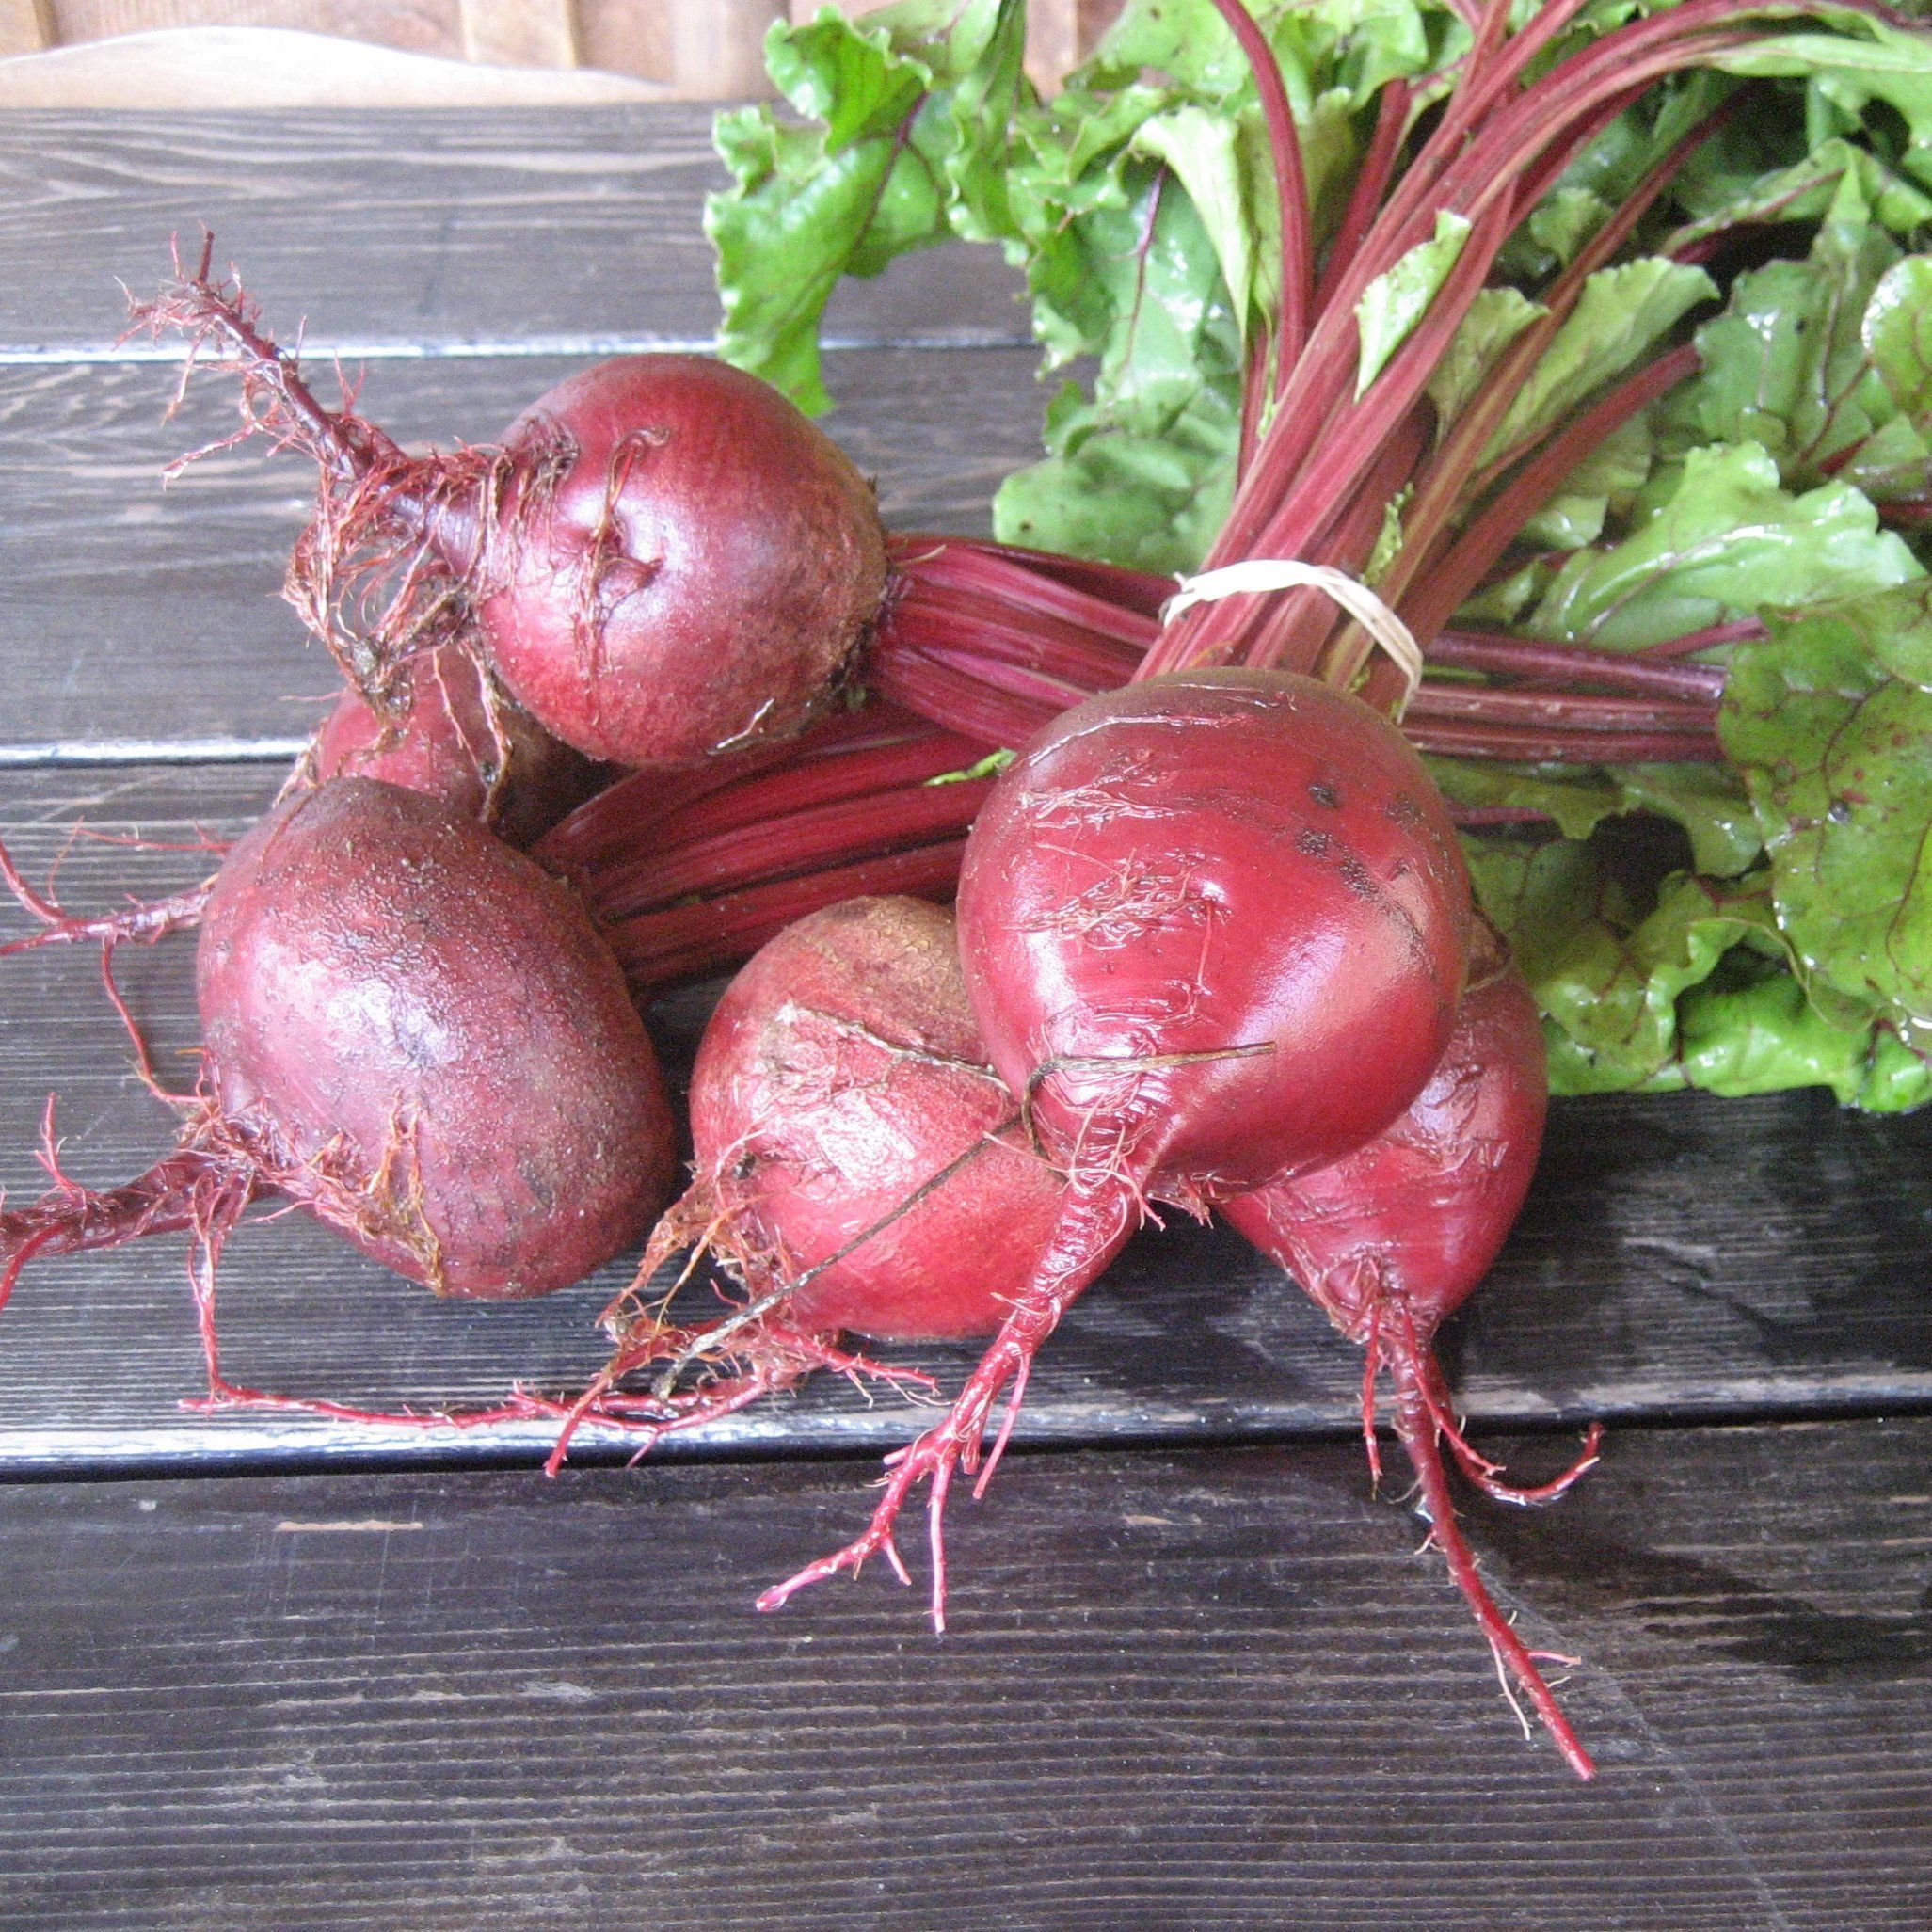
1392	1239
840	1076
1214	930
454	739
664	560
859	1165
691	575
414	1033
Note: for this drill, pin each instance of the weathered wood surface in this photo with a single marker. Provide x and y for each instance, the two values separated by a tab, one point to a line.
521	232
1187	1687
1194	1692
1681	1256
129	612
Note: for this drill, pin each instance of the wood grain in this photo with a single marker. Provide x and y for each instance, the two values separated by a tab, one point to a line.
717	47
562	230
1680	1256
420	26
225	69
26	26
520	33
132	612
1205	1691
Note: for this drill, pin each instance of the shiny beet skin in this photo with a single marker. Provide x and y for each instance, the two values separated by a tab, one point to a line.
1418	1214
427	1043
841	1075
695	574
1215	924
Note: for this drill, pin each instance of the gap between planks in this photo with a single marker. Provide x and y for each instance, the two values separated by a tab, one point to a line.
150	751
315	349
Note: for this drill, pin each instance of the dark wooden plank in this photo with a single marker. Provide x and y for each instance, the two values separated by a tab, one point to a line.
573	230
135	615
1680	1255
1206	1691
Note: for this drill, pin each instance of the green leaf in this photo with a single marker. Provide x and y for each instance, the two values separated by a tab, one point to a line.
1141	473
988	767
1564	220
1619	314
1153	499
1787	365
1696	992
1805	191
1606	480
912	105
1724	541
1393	303
1608	980
1836	749
1205	150
1709	801
1870	60
1495	318
1751	1031
1898	331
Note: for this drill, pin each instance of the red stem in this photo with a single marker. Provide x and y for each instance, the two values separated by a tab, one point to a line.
751	809
1573	664
962	703
1103	591
1102	599
1579	711
1554	745
1738	631
1371	183
610	824
963	622
1450	578
684	941
810	840
1290	182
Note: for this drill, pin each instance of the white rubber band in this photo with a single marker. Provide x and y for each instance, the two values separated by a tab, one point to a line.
1254	574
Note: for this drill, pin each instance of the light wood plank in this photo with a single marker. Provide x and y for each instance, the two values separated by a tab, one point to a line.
223	70
562	230
520	33
26	26
1216	1691
717	47
417	27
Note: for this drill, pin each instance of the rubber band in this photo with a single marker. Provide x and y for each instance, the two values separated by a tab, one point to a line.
1259	574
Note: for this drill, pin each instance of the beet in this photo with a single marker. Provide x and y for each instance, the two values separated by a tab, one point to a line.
859	1168
452	738
662	562
377	973
839	1079
416	1034
681	564
1394	1237
1214	928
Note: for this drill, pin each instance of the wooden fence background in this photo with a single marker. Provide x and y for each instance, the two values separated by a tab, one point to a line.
694	49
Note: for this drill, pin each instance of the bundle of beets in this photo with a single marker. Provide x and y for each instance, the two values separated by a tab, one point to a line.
1214	943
